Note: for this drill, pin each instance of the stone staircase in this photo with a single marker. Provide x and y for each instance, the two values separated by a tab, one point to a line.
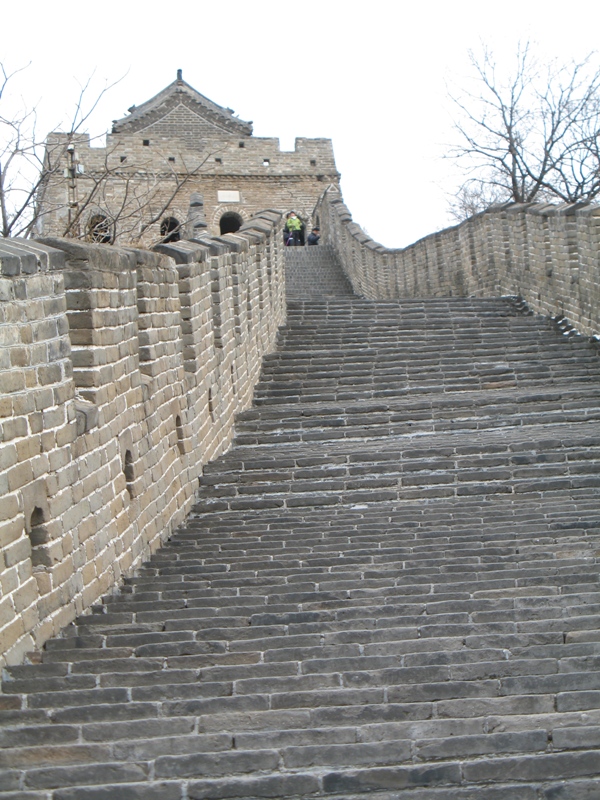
314	272
389	586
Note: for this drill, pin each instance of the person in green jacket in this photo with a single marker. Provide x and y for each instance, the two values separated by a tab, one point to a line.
294	227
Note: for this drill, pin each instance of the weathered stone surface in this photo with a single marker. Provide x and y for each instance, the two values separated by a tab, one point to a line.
106	419
387	587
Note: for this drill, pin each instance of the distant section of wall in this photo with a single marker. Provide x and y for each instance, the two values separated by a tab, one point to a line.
549	255
120	375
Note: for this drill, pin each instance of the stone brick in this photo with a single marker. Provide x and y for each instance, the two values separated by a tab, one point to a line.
10	780
370	780
573	790
223	763
536	768
124	791
274	786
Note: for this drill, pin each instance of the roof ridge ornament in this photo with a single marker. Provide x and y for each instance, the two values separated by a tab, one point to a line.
180	75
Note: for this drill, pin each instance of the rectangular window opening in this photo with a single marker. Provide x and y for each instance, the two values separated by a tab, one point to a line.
123	158
146	142
241	144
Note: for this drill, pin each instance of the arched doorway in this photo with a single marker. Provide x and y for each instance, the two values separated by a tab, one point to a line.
98	229
170	230
230	222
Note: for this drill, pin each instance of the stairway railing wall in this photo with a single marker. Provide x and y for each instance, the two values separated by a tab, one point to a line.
121	372
549	255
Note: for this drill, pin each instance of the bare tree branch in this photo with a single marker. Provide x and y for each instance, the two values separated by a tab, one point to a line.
43	179
27	163
530	136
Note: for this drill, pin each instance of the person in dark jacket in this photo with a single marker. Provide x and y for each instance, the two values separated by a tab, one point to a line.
314	236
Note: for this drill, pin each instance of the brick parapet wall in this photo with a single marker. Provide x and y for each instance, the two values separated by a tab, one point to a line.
549	255
116	387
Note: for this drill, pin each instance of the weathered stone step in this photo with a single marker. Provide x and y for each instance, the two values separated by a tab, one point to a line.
386	765
368	635
450	680
406	569
403	559
357	427
404	427
416	362
479	403
514	442
314	271
518	332
397	376
436	486
374	393
385	606
404	555
514	340
388	636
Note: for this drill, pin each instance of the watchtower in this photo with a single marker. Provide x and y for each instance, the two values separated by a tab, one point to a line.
178	147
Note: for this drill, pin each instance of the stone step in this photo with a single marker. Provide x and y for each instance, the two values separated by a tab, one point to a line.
375	393
434	486
516	445
325	683
389	586
314	271
402	422
383	630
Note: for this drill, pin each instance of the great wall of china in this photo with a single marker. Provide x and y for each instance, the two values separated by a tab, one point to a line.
329	541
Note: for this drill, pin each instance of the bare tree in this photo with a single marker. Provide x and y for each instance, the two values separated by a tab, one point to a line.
529	136
26	162
41	178
474	196
18	163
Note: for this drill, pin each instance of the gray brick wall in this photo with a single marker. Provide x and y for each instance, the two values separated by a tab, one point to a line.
120	375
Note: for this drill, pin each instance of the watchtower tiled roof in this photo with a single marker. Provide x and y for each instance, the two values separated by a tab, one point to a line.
177	94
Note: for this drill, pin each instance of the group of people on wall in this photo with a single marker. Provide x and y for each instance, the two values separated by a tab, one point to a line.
293	232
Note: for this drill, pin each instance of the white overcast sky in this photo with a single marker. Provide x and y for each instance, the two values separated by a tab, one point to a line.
370	75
